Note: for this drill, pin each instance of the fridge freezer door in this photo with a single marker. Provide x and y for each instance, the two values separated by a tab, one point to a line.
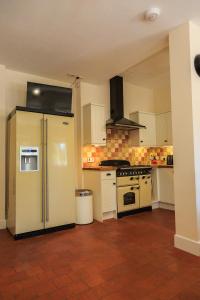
60	172
29	206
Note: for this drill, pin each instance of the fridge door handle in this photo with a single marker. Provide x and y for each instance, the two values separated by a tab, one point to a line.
47	190
43	179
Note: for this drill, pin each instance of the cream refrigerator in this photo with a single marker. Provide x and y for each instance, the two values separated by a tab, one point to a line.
41	185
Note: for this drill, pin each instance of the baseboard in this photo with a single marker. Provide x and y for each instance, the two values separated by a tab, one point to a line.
2	224
187	244
166	206
109	215
158	204
155	204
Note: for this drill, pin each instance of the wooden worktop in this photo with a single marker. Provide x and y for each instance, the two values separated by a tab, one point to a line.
99	168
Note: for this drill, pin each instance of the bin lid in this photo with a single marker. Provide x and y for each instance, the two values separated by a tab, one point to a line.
83	192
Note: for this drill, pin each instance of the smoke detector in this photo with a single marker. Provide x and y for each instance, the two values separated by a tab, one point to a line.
152	14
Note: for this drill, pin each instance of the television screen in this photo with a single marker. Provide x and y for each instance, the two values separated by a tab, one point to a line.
48	98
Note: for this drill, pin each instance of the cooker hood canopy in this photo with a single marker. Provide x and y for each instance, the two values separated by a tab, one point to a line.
117	119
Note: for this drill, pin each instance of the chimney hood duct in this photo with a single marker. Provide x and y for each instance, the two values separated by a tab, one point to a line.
117	119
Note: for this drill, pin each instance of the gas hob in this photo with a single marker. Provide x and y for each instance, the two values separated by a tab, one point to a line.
124	168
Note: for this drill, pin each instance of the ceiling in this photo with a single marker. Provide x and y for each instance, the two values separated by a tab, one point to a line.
94	39
152	72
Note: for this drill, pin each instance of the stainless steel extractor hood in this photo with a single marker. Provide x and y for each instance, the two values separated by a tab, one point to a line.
117	119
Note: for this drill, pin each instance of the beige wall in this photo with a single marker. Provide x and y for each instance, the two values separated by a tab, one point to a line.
16	87
185	91
2	148
162	98
95	93
12	93
137	98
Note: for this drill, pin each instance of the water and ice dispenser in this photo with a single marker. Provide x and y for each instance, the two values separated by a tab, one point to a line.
29	159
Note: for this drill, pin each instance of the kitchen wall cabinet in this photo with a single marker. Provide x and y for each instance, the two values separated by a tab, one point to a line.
158	130
163	129
94	124
103	185
143	137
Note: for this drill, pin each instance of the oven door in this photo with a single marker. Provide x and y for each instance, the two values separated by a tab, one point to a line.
127	198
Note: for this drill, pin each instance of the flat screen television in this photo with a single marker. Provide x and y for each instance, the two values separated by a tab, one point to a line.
48	98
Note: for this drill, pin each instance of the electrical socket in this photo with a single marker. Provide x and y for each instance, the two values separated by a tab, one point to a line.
90	159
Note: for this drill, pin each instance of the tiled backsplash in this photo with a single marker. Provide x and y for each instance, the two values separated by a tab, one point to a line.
117	148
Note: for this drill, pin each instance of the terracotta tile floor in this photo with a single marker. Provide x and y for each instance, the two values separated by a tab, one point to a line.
132	258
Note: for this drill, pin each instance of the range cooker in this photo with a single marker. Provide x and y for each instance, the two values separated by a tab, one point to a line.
133	186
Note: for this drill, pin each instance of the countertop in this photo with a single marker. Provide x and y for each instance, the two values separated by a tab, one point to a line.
114	168
100	168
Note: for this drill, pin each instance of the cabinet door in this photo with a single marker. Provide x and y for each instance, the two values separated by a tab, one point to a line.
166	185
145	191
29	206
162	131
169	128
98	125
108	195
148	135
60	173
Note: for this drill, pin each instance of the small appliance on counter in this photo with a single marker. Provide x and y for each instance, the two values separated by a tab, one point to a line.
170	160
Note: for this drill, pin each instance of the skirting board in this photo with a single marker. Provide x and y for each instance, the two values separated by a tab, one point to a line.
158	204
187	244
155	204
2	224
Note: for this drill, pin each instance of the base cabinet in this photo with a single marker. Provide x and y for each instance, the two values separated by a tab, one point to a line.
166	185
103	186
145	191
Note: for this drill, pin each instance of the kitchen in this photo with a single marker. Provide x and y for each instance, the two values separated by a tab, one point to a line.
127	162
128	80
150	146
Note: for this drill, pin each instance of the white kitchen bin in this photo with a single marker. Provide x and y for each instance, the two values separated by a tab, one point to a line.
84	207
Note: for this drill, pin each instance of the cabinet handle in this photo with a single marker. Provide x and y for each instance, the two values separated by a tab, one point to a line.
131	178
43	175
47	179
108	174
165	141
103	139
114	183
141	141
132	188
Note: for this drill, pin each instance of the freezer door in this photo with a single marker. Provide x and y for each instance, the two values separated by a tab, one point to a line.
60	172
29	198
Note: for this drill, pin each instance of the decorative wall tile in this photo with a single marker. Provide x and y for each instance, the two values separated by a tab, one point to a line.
117	148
